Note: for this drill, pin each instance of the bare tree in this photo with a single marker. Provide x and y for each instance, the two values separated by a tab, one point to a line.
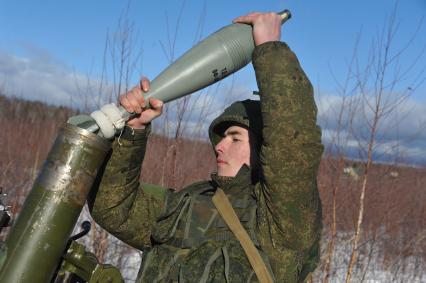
122	58
345	113
383	85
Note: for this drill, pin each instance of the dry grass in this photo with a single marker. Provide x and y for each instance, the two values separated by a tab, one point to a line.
395	207
395	210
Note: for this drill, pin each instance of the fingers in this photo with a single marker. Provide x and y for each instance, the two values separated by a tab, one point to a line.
134	101
254	17
153	112
156	106
148	115
247	19
266	26
124	101
144	84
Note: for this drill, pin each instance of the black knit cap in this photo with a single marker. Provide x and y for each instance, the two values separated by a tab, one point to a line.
244	113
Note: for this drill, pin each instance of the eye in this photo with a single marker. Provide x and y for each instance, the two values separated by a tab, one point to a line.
235	140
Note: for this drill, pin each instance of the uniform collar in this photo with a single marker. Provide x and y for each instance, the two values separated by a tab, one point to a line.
240	181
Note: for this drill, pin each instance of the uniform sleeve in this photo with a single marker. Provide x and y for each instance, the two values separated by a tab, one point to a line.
289	204
119	203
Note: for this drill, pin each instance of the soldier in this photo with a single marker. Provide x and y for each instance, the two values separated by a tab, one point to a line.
268	153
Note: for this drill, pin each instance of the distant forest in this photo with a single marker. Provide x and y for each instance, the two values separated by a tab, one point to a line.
393	235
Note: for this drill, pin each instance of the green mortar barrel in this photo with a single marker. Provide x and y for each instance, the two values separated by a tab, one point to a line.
37	240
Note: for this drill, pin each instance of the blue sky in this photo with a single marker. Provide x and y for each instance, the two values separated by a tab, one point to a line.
48	46
322	33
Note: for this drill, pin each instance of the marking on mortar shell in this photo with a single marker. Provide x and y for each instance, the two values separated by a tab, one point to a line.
224	72
215	75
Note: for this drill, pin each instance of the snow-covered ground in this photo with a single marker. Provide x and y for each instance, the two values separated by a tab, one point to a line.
373	264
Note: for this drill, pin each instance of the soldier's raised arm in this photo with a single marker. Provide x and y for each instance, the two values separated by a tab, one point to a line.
120	203
289	206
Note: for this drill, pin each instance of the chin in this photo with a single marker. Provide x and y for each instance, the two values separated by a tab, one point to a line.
223	171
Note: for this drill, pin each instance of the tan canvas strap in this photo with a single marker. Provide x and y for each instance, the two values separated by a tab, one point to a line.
228	214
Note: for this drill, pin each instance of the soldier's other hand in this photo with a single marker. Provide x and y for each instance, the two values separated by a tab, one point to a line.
134	101
266	26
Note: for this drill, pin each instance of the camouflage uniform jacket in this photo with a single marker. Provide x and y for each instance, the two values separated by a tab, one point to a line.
183	238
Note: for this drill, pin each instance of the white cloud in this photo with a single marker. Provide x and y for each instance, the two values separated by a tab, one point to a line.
43	78
401	133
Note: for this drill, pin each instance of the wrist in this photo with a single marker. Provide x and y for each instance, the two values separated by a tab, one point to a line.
264	40
137	125
135	134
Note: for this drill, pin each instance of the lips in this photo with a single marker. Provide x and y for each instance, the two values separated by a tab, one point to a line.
220	161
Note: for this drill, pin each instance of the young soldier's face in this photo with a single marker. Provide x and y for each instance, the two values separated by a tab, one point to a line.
232	151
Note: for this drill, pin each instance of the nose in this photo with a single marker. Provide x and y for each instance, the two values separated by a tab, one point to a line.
220	147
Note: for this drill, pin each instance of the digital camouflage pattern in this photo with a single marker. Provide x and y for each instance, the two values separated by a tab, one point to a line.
181	234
